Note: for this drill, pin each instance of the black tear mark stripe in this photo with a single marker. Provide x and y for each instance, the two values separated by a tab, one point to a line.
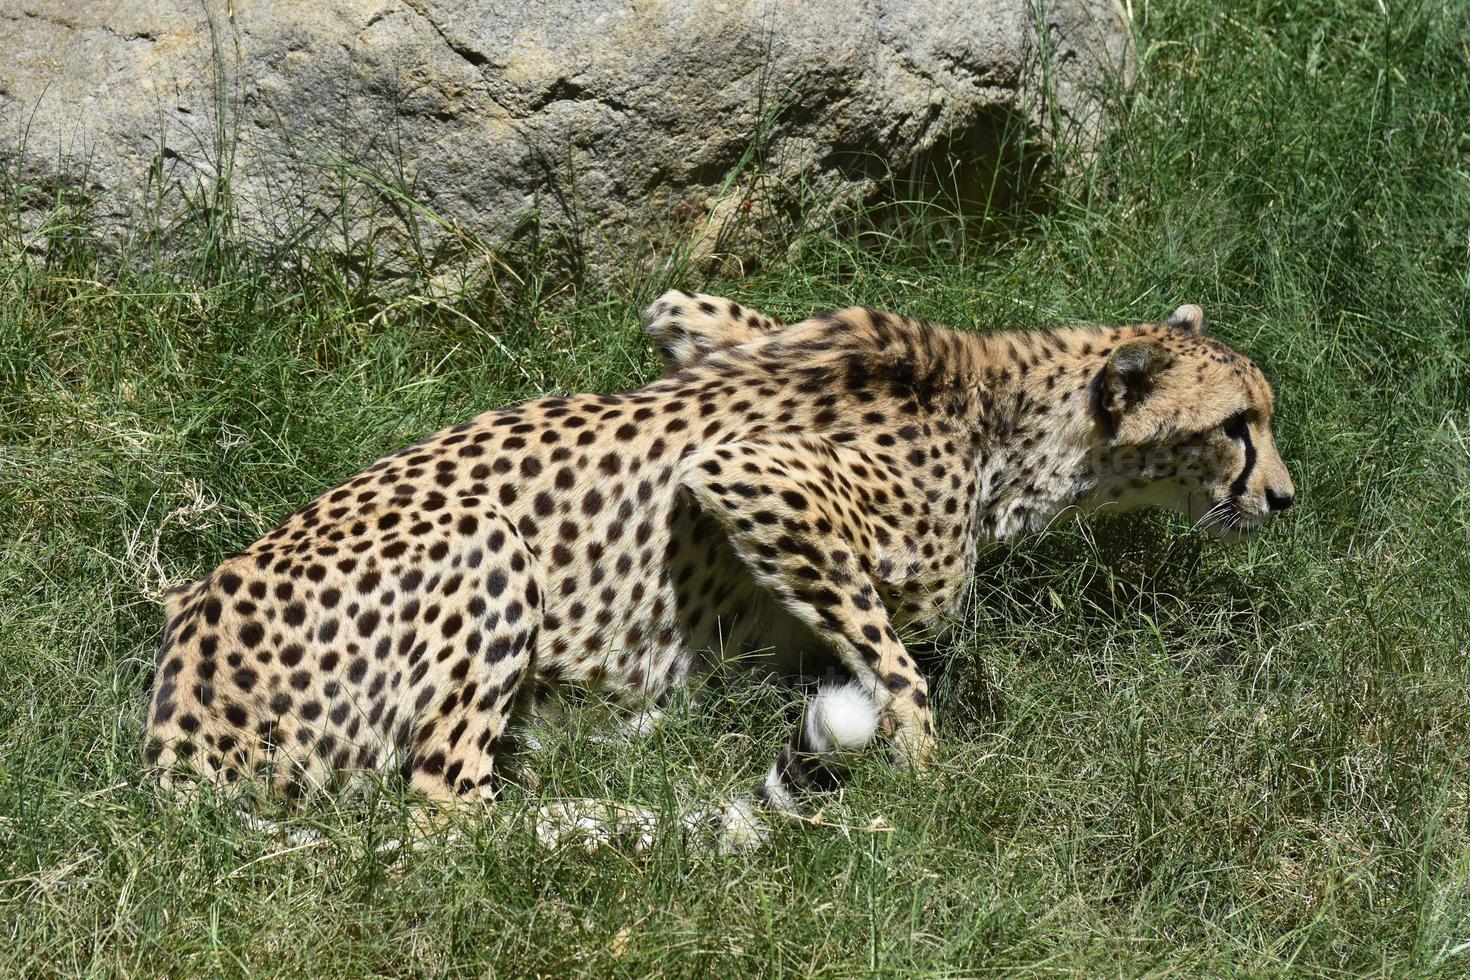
1238	487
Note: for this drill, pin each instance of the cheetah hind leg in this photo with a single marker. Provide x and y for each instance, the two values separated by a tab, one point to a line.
455	774
461	735
690	326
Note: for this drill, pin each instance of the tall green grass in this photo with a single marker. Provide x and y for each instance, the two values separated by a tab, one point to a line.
1160	756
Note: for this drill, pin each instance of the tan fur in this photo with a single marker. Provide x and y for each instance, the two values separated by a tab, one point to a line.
806	494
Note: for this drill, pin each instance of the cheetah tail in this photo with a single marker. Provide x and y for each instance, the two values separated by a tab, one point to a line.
838	722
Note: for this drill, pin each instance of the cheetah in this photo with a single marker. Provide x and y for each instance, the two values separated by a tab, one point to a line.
804	496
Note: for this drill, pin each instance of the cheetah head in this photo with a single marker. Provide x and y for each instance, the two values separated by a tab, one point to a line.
1184	422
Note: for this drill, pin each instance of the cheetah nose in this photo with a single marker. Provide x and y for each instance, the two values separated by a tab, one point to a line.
1279	501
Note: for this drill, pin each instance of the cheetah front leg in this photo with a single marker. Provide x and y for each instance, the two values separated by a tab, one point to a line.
795	510
689	326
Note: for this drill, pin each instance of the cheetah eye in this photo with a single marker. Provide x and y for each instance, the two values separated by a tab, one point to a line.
1234	426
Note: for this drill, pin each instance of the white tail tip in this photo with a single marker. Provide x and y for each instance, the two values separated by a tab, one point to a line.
845	715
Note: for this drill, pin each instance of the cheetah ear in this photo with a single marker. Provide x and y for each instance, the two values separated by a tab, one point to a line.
1131	372
1189	318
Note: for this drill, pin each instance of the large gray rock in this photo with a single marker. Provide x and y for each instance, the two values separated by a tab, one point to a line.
622	128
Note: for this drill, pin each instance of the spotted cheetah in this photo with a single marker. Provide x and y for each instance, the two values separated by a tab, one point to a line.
802	495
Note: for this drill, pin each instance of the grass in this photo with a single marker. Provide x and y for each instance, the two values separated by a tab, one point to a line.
1160	756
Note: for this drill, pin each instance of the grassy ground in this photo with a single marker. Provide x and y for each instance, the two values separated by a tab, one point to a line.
1161	756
